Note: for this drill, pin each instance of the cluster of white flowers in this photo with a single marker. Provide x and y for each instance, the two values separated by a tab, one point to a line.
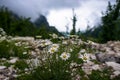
74	36
53	48
18	44
25	53
44	43
82	51
83	55
38	37
65	56
65	42
54	35
62	38
2	35
2	32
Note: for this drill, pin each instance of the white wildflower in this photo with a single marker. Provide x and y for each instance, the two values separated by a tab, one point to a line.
64	42
18	44
2	38
44	43
65	56
73	64
54	35
73	42
52	50
85	57
38	37
55	45
24	53
71	50
82	51
62	37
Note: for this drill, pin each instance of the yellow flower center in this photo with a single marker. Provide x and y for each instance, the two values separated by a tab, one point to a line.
55	46
84	58
64	56
52	50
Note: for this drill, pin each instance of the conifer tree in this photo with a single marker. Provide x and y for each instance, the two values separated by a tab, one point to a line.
109	28
74	19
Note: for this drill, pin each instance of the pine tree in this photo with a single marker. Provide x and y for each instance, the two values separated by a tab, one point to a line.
109	28
74	19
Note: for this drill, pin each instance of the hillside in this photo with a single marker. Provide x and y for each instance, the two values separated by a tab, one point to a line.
21	26
25	58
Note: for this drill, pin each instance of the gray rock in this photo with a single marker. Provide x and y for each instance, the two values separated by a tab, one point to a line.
2	67
102	57
114	65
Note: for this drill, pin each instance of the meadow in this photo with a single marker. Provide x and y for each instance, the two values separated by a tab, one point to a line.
57	58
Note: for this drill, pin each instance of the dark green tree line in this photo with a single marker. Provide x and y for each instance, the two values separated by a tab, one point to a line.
15	25
110	23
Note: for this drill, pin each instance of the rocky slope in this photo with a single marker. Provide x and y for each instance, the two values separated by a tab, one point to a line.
95	56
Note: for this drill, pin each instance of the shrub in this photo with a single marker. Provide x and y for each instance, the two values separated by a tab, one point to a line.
21	64
8	49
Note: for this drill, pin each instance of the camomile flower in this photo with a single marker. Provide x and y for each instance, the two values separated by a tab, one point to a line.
54	35
65	56
82	51
64	42
85	57
55	45
52	50
71	50
24	53
45	43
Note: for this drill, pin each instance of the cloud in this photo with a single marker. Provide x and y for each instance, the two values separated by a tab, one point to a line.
32	8
59	12
88	13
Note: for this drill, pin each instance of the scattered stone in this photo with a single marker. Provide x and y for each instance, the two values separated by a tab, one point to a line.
2	67
102	57
13	60
116	73
96	67
2	77
114	65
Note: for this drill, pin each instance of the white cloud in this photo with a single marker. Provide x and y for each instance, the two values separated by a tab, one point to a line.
59	12
89	11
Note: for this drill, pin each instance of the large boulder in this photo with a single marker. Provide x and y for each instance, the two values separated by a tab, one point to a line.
102	57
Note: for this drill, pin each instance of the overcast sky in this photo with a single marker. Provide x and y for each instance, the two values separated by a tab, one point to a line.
59	12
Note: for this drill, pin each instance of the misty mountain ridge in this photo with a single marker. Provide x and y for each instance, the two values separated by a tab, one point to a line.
16	25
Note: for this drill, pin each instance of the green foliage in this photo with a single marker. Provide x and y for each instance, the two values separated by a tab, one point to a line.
109	29
25	77
56	40
53	69
20	26
72	32
116	78
7	64
43	31
8	49
98	75
21	64
14	25
5	50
